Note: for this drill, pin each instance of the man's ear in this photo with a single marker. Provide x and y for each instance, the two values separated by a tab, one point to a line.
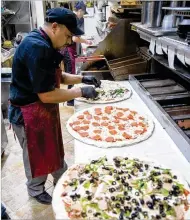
54	26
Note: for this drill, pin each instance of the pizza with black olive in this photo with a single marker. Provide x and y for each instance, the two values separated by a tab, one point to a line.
122	188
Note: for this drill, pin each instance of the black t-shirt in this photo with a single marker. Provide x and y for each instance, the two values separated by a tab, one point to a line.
33	71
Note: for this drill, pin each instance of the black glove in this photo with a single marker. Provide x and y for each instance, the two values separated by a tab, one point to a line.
89	92
91	80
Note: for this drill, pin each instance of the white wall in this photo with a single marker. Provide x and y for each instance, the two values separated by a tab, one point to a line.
39	13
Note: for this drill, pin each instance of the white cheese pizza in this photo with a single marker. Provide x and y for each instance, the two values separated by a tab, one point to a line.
120	188
109	126
108	92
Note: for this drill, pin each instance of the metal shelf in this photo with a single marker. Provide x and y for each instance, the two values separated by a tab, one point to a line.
177	43
179	11
155	32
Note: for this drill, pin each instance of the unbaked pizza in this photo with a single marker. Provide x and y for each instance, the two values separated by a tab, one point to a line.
120	188
110	126
108	92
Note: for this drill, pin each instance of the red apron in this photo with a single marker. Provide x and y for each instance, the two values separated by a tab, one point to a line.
44	137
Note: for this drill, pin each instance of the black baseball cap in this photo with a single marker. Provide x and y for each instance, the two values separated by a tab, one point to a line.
66	17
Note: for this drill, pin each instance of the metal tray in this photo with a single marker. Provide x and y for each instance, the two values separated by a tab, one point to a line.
177	135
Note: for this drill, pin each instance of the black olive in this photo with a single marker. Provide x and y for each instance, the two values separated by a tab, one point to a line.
126	158
171	193
152	196
141	170
137	203
117	164
78	195
175	187
71	184
114	212
165	198
158	217
115	171
113	183
123	177
126	208
127	198
158	173
117	205
112	190
150	205
163	215
113	198
138	209
87	192
134	201
89	197
129	188
92	181
93	161
137	193
74	198
161	207
132	173
95	214
83	214
124	165
126	184
134	215
146	166
122	181
110	173
158	187
145	213
175	177
125	193
169	197
120	172
142	202
170	181
175	203
129	176
156	167
117	178
81	180
87	171
121	200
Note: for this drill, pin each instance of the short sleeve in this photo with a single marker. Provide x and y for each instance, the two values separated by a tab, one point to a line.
41	68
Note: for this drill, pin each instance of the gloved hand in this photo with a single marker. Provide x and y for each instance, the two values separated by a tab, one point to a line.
89	92
91	80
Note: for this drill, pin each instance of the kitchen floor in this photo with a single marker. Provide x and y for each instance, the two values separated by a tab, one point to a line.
14	194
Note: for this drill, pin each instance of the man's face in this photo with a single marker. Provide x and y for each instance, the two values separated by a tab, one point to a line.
80	13
62	37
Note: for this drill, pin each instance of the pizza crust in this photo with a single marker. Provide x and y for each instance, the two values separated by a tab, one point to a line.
104	144
58	205
127	95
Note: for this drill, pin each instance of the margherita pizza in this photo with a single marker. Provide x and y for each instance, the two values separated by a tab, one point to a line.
121	188
109	92
109	126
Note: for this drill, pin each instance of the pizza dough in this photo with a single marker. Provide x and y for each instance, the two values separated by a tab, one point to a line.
109	92
120	188
109	126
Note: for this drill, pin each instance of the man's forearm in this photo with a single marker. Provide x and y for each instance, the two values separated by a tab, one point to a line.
59	95
79	40
70	79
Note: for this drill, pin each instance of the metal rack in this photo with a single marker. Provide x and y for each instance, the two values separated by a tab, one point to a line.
179	11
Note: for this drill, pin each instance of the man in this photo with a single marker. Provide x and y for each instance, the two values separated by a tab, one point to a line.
74	49
34	98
